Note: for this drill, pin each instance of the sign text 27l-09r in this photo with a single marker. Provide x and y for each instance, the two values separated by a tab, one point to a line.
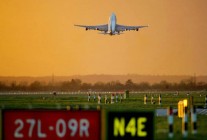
51	124
130	125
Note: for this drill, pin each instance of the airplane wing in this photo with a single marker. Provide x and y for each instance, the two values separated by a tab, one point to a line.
128	28
97	27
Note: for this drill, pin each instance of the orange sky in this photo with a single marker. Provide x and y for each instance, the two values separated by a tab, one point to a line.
37	37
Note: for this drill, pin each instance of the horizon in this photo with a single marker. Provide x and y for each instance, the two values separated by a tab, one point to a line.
38	38
193	75
107	78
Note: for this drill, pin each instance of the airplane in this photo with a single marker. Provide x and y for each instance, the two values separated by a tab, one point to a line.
112	28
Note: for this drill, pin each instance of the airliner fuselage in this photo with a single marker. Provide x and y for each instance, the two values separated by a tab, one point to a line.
112	24
112	28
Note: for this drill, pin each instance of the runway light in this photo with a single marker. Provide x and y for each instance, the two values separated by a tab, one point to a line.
185	102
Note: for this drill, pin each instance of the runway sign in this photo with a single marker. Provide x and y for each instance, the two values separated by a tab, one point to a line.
130	125
51	124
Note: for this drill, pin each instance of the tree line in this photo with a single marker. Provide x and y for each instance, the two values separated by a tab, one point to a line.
78	85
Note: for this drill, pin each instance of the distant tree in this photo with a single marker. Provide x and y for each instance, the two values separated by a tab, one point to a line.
51	86
99	86
23	86
109	86
86	86
144	86
182	85
65	86
187	84
35	86
129	84
3	86
75	84
118	86
201	86
164	85
13	85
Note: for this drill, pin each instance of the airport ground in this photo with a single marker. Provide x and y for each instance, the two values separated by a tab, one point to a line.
64	100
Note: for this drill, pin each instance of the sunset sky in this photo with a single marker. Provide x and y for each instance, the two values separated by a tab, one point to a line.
38	37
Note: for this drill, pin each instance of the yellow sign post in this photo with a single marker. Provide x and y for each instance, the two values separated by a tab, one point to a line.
181	106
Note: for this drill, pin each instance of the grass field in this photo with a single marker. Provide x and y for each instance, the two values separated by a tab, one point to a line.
134	102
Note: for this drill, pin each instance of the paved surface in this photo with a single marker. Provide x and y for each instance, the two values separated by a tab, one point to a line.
163	112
